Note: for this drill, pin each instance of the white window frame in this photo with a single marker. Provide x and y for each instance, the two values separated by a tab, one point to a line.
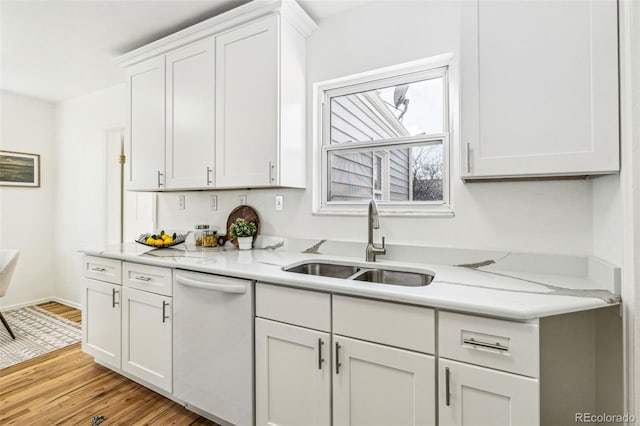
437	66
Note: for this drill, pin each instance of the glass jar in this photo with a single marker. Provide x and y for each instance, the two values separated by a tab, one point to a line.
209	238
199	234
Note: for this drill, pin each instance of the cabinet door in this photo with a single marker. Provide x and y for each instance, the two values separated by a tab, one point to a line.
293	380
101	321
480	396
247	119
146	90
146	337
190	116
539	88
381	385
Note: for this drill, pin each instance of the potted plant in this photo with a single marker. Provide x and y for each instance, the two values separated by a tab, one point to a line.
244	232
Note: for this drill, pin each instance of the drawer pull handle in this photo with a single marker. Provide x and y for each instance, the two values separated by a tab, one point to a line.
447	392
497	346
113	297
338	365
98	269
320	359
143	278
164	311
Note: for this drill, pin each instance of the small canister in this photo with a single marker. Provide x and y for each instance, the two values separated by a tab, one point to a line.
199	234
209	238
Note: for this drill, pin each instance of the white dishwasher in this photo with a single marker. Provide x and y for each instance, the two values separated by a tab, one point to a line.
213	345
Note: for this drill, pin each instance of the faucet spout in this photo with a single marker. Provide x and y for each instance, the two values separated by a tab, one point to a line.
373	222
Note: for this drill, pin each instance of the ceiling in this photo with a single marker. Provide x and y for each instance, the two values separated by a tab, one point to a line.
57	50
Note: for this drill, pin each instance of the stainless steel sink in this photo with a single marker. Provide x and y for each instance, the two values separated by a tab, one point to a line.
362	273
324	269
387	276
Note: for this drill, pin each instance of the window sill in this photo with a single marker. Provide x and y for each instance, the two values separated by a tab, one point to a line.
388	211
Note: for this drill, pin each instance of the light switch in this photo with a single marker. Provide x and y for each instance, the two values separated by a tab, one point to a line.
242	199
180	202
279	202
213	203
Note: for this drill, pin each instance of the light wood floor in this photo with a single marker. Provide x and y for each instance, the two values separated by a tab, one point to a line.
67	387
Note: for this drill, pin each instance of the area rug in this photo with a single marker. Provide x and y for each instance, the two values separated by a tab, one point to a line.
37	332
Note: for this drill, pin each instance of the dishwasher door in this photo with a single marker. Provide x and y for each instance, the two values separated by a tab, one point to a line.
213	345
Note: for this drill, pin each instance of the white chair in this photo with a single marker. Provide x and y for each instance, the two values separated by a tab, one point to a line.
8	261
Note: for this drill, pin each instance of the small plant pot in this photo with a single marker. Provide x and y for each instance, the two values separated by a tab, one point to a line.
245	243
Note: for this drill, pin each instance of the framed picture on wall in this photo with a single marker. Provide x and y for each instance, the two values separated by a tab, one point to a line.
19	169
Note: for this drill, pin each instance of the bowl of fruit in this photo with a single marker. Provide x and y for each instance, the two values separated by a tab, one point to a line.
161	240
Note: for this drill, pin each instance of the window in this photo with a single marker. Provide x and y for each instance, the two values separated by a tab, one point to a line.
384	135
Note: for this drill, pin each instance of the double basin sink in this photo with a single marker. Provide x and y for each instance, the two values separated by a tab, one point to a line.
386	275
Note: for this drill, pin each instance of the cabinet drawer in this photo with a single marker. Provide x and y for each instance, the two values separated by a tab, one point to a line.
148	278
300	307
503	345
404	326
102	269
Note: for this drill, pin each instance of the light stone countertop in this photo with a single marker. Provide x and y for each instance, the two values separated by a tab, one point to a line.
483	289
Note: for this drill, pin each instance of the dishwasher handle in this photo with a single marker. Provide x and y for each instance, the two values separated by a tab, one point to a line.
223	288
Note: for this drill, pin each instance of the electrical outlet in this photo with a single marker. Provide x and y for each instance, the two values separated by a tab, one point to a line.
242	199
180	202
279	203
213	203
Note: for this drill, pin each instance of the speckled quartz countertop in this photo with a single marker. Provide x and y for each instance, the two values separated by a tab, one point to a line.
479	288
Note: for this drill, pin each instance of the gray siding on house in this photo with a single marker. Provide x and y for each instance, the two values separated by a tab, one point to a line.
357	118
351	176
399	170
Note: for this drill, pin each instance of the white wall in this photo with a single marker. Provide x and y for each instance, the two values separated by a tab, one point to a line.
546	217
608	225
82	126
26	214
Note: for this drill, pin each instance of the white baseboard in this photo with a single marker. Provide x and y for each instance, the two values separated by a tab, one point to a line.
39	301
66	302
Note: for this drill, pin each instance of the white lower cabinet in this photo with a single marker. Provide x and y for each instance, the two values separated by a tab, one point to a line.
472	395
313	377
101	321
147	337
293	379
381	385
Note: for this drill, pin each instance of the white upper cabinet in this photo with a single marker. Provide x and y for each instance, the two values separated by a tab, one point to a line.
190	148
221	104
247	105
260	105
539	88
146	119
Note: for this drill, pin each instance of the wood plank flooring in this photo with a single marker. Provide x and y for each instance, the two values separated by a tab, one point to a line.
66	387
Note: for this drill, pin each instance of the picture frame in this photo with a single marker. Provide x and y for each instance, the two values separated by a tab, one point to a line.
19	169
